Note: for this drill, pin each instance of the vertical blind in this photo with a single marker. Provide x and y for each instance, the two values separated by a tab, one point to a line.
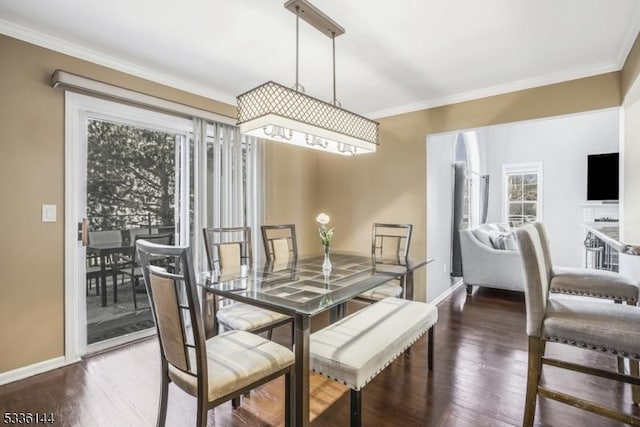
231	184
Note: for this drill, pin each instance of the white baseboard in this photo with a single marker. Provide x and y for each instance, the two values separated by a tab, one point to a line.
446	293
118	341
36	368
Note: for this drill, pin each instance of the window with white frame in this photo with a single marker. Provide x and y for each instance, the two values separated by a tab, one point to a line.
522	193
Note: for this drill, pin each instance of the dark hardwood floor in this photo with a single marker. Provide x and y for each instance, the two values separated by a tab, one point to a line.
479	380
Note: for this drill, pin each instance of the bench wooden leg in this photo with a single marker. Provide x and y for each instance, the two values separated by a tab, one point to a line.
356	408
635	389
236	402
430	349
621	364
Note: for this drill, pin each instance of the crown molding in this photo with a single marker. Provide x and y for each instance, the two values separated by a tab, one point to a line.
626	43
59	45
72	49
496	90
629	36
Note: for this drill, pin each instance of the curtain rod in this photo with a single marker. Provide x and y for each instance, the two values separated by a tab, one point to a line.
74	81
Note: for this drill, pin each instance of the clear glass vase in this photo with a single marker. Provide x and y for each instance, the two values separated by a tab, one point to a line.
326	265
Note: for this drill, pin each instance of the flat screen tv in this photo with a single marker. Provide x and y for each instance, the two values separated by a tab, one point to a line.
602	176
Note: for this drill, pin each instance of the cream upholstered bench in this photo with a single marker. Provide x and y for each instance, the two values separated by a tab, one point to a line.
355	349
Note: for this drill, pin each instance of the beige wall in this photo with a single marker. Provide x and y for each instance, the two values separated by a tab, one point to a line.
32	174
290	191
386	186
390	185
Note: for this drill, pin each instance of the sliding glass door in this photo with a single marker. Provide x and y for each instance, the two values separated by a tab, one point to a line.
133	192
132	173
134	181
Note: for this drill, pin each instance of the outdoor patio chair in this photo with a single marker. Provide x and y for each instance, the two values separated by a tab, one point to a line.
134	269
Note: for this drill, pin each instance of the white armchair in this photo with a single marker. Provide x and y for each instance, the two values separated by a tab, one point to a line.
484	265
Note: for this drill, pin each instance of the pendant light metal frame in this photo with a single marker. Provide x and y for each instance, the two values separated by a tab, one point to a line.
273	111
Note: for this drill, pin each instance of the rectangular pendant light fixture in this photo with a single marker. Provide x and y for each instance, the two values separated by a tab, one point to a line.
276	112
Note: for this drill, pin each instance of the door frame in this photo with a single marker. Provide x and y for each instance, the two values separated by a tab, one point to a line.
78	108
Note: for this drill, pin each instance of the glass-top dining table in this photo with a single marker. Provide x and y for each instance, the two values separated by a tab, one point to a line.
301	290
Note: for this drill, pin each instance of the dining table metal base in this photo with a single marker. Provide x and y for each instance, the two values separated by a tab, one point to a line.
302	330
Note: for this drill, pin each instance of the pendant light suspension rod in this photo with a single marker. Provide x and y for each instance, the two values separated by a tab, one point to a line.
297	44
333	42
321	22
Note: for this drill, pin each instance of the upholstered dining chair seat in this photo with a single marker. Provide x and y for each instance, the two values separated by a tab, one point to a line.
216	370
235	360
247	317
389	289
593	324
228	249
588	323
585	282
594	283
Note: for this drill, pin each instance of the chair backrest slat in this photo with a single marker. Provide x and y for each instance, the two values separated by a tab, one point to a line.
175	305
171	328
280	242
391	239
227	247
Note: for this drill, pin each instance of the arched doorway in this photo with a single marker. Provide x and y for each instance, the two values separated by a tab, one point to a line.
466	193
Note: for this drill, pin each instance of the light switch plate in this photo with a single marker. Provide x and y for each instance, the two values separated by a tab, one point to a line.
49	213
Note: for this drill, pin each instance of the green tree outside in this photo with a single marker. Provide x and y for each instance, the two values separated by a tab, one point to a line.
130	176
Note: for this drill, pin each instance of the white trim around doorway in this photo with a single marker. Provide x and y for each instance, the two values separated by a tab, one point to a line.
78	108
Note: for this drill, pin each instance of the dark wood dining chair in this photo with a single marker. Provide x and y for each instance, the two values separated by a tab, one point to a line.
228	249
389	241
213	370
280	243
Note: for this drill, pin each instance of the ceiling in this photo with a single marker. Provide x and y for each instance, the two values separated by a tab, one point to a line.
396	56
